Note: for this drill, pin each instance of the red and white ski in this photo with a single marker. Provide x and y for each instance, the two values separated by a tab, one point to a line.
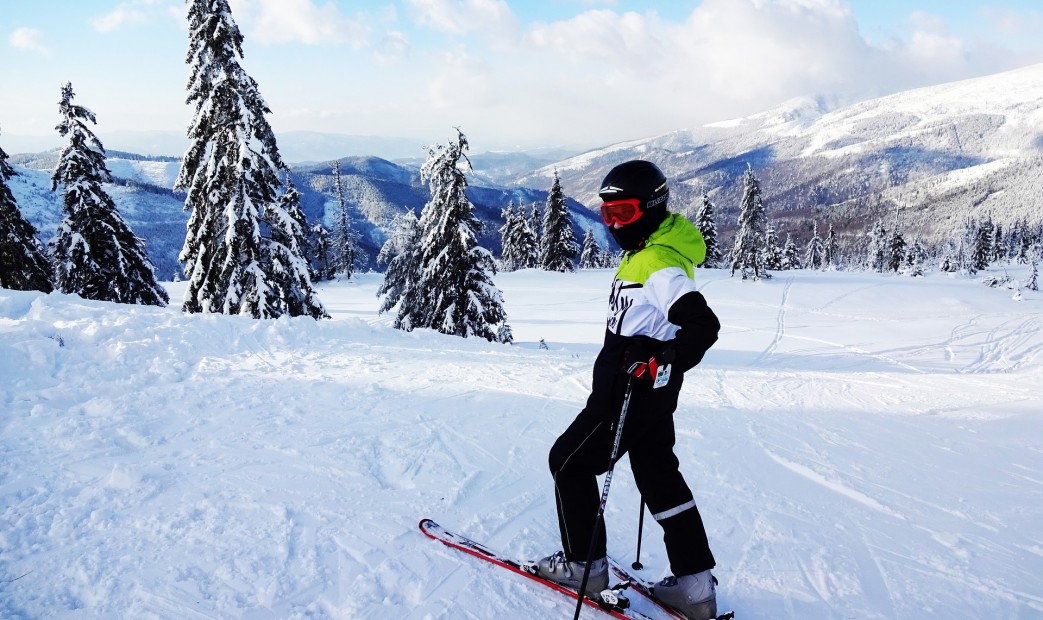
462	543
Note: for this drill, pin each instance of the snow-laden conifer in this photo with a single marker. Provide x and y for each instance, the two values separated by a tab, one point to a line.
706	222
24	264
748	252
345	239
230	176
95	254
814	254
517	241
558	245
286	252
896	249
590	256
830	250
401	254
981	252
446	284
877	250
790	254
772	249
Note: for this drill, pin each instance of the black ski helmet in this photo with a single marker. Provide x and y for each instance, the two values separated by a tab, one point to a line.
642	180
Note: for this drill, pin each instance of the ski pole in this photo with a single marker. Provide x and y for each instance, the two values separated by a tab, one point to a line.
604	497
640	530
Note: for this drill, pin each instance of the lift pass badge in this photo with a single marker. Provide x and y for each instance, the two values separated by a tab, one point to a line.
662	377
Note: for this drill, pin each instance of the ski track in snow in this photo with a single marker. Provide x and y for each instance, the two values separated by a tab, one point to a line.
861	446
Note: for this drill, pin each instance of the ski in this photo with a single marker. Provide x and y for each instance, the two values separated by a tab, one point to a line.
613	603
644	588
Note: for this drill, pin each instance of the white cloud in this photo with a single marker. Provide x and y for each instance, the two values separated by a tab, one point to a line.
29	40
460	17
132	12
302	21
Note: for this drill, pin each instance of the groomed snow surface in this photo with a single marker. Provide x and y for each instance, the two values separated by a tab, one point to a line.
861	446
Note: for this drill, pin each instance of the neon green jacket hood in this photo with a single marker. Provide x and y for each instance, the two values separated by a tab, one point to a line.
676	243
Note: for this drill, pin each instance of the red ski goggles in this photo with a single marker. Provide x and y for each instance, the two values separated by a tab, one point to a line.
622	212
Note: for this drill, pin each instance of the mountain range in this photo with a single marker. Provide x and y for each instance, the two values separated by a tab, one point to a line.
928	159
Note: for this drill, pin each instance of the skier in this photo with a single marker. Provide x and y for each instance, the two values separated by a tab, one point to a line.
659	326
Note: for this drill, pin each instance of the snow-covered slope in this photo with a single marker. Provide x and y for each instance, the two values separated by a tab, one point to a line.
861	446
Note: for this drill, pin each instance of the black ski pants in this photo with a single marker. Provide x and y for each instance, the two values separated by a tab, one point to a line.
582	453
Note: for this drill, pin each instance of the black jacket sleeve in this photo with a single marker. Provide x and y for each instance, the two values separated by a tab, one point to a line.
699	329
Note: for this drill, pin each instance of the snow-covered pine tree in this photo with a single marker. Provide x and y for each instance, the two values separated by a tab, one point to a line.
290	291
229	173
790	255
748	252
24	264
896	249
590	255
345	240
558	245
981	254
512	253
706	222
401	253
321	253
830	250
814	254
1033	285
452	291
95	254
876	255
536	225
772	249
915	258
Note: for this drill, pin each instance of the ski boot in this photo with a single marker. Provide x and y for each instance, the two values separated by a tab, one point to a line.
695	596
569	574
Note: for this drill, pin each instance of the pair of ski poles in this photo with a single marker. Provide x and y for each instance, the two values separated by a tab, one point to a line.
604	500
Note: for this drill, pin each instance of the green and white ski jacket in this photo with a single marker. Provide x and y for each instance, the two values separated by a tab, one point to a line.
655	307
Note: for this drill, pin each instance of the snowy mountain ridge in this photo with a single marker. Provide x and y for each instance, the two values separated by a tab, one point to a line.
934	156
938	155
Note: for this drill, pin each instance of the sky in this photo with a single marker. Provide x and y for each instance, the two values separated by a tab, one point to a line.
511	74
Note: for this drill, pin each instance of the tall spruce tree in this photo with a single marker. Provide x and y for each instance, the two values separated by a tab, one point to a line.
558	245
95	253
748	253
230	176
831	250
345	240
981	254
447	283
876	253
772	249
590	256
790	255
814	255
401	254
511	254
286	252
24	264
706	222
896	249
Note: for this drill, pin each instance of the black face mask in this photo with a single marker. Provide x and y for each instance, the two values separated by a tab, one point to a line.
632	236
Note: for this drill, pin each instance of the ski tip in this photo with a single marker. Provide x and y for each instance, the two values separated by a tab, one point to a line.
728	615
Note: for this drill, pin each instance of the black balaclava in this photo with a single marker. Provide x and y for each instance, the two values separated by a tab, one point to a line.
632	236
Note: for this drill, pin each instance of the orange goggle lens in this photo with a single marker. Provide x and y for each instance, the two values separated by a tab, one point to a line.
621	212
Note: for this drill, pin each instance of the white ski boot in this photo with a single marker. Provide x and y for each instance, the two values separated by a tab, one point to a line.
569	574
695	596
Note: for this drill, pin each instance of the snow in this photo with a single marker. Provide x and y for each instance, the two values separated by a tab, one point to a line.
861	446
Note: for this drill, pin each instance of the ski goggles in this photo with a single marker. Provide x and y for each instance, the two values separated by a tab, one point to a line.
622	212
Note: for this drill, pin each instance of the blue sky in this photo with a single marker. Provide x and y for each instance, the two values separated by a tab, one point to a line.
511	74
